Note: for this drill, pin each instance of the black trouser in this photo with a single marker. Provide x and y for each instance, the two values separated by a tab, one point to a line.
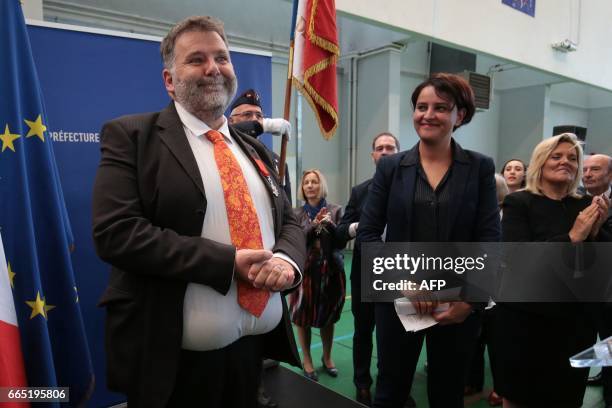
363	317
449	349
222	378
476	371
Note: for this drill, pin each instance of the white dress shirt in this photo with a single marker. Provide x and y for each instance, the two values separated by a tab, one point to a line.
210	319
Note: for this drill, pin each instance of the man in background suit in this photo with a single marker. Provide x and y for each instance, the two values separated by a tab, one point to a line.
597	177
189	214
384	144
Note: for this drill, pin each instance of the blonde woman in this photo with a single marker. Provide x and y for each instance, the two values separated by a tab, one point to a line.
536	338
318	301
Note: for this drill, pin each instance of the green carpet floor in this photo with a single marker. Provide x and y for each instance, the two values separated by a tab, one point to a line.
342	356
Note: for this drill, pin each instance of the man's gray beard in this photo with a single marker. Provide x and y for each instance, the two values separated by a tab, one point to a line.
205	105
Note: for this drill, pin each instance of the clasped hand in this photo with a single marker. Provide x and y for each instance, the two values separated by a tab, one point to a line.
425	303
589	221
262	270
322	219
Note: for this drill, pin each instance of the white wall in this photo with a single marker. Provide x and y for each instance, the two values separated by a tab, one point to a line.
32	9
378	105
407	136
483	132
490	27
599	134
561	114
521	124
415	69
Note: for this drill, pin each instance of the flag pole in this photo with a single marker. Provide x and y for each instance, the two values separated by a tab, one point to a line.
286	113
287	107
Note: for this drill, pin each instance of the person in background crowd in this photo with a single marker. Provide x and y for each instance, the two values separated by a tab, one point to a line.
514	171
188	213
596	178
532	338
435	192
245	110
502	190
384	144
318	301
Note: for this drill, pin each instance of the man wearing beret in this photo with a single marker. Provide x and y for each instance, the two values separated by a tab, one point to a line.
246	114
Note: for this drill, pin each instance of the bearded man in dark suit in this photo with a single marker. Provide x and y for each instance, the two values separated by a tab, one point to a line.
183	327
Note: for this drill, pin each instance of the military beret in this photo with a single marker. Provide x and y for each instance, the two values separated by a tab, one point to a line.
250	97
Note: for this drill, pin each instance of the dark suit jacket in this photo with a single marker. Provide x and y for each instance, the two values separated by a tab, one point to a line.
149	205
473	210
352	213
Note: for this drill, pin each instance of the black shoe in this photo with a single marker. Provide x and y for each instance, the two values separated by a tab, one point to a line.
312	375
332	371
264	400
363	396
595	380
410	402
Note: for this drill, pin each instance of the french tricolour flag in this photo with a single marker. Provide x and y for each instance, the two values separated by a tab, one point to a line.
12	372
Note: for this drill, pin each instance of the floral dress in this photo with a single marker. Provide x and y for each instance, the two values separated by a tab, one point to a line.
318	301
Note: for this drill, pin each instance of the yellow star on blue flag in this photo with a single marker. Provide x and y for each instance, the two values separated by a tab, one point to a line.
11	275
39	306
36	128
8	138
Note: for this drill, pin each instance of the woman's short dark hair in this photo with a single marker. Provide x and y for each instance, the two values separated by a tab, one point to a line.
453	88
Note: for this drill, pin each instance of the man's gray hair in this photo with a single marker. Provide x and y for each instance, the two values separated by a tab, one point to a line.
193	23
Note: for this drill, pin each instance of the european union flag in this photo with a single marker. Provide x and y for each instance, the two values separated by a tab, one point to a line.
34	224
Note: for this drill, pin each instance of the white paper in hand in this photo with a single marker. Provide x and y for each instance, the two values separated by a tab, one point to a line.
412	321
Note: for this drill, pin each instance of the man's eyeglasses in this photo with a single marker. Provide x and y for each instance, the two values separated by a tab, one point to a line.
248	115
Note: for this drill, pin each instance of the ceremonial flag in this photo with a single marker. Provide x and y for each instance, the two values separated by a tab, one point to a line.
314	57
35	227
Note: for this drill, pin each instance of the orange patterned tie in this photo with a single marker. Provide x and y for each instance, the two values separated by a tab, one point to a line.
242	217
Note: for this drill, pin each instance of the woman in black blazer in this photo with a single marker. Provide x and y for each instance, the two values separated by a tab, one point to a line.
534	341
435	192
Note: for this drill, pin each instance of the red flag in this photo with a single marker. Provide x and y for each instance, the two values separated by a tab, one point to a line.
315	54
12	372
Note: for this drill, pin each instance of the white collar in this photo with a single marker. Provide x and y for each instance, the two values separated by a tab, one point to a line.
197	126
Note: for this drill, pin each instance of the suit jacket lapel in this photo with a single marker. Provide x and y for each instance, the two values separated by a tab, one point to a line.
172	134
408	168
459	178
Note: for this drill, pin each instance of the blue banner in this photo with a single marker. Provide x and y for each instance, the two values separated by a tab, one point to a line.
526	6
35	226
